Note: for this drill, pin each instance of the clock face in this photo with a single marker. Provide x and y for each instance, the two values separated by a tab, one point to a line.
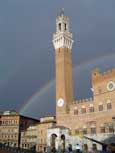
110	85
60	102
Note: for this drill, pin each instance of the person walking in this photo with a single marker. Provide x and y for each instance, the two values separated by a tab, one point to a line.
78	148
70	148
94	149
85	148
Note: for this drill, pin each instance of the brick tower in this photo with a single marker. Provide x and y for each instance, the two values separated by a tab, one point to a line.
62	41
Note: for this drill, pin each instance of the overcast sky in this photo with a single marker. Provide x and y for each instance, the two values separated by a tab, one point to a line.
27	65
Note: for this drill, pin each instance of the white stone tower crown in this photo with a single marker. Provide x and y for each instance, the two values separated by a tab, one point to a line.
63	37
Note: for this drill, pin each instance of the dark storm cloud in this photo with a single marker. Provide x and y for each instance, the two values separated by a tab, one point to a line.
26	51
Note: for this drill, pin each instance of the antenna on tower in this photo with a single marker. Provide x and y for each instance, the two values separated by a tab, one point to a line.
62	11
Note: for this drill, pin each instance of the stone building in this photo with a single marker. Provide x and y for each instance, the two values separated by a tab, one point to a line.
56	136
92	116
12	124
29	138
45	123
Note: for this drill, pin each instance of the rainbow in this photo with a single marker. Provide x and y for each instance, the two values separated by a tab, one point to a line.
48	85
35	96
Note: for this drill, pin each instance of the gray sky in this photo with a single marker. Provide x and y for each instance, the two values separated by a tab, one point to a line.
27	55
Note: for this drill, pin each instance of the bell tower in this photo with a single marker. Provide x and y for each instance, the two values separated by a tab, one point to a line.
62	41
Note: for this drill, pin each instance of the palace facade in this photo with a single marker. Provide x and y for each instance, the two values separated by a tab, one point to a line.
87	116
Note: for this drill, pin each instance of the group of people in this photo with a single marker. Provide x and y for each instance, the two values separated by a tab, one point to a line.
85	149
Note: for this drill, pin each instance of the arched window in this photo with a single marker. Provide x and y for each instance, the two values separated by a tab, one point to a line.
84	130
109	106
91	108
65	26
83	110
100	107
111	129
93	130
77	131
99	90
102	129
75	111
59	26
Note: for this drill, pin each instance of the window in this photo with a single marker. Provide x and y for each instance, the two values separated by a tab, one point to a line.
84	131
65	26
102	129
111	129
83	110
75	111
91	109
93	130
77	132
99	90
109	106
101	107
60	26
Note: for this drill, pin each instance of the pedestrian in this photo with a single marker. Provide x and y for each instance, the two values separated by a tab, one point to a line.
94	149
70	148
85	148
78	148
106	149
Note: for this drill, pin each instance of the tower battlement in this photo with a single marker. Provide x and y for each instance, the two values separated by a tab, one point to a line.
84	100
97	75
109	72
62	38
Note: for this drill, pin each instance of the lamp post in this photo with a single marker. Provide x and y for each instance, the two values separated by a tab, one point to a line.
113	119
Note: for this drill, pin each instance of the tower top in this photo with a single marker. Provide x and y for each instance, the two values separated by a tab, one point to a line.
62	37
61	12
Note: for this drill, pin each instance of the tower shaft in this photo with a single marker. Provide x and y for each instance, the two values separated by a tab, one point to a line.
62	41
64	82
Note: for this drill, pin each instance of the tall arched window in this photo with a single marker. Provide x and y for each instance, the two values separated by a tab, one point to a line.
93	130
83	110
59	25
91	108
65	26
84	130
100	107
75	111
77	131
109	106
110	129
99	90
102	128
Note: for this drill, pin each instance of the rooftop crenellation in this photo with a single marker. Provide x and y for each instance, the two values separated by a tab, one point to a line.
108	72
84	100
98	75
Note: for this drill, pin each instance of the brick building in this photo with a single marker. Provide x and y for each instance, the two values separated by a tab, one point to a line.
12	124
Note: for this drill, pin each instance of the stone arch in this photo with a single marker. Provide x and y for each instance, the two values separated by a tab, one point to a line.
62	143
53	142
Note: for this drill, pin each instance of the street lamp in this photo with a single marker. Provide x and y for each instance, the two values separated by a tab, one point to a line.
113	119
